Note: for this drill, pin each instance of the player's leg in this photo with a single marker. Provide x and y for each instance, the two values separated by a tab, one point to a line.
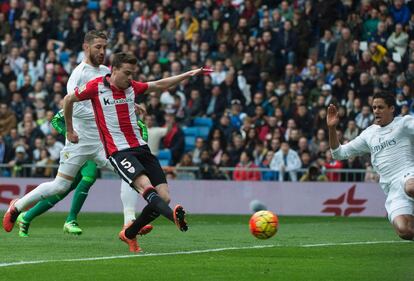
70	164
400	207
409	187
404	226
156	178
132	171
88	178
41	207
129	198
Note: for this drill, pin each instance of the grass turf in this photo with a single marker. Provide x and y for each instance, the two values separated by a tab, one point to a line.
288	259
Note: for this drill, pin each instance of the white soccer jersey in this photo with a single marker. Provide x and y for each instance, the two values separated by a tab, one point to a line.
114	113
83	116
391	148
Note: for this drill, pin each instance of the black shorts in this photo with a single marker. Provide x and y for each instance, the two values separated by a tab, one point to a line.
133	162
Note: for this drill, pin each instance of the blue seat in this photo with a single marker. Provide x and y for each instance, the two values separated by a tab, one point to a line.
203	131
189	143
164	163
203	121
93	5
190	131
164	156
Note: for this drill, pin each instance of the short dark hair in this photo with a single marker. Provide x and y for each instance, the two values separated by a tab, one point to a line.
94	34
120	58
388	98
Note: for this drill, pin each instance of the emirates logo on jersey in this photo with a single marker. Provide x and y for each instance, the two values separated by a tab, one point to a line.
383	144
108	101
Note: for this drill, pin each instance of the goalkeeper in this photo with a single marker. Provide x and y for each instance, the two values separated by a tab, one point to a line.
83	181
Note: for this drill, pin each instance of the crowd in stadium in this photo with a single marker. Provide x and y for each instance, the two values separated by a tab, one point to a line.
277	66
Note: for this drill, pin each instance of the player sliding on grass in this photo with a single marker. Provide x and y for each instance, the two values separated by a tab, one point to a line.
74	156
83	181
391	144
113	98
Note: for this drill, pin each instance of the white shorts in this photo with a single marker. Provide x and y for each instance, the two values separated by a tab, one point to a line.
73	156
398	202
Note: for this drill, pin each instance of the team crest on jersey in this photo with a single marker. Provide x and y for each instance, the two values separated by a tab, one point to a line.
131	170
66	155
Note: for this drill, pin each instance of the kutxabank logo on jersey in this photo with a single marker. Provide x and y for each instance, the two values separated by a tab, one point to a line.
383	144
111	101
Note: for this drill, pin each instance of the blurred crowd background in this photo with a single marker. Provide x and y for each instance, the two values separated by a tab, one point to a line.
277	65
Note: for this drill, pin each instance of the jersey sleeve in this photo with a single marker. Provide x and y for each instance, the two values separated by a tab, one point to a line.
139	87
58	122
87	91
408	123
355	147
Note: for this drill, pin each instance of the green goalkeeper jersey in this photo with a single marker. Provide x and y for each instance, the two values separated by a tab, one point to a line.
58	122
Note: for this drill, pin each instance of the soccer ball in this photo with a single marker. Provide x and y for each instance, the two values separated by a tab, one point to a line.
263	224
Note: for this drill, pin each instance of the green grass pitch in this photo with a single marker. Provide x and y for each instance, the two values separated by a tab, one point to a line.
215	248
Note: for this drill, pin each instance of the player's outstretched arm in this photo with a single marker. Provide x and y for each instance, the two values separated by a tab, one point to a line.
68	102
163	84
332	120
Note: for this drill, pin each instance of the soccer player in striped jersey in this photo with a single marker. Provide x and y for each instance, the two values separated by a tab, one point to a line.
112	98
390	140
74	156
83	181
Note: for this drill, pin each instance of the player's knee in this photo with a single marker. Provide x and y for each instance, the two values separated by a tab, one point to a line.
405	232
89	179
409	188
62	185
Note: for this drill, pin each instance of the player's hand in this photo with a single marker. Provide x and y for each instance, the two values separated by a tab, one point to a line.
332	117
201	70
140	109
72	136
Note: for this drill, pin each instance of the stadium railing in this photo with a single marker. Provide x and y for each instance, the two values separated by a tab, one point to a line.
192	173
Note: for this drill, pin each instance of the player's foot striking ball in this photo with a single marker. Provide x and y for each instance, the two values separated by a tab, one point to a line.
263	224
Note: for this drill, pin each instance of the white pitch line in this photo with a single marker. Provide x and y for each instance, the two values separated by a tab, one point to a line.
199	252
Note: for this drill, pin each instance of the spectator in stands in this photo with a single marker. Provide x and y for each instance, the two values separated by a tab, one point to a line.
187	23
7	119
344	44
216	104
236	148
207	170
53	147
286	161
351	131
245	169
42	166
216	151
398	41
174	139
313	174
16	165
199	147
400	12
364	118
144	24
332	164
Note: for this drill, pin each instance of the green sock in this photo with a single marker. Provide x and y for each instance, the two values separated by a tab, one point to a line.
41	207
79	198
88	172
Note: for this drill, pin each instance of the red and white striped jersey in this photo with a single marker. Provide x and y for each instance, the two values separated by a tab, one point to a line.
114	113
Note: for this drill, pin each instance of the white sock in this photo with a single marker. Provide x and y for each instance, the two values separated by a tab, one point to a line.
129	198
57	186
